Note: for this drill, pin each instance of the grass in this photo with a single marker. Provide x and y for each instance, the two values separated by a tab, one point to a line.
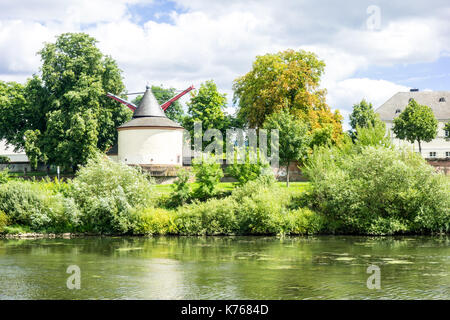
228	186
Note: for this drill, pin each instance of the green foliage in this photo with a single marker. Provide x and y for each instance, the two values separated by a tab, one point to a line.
4	160
32	148
213	217
322	137
285	80
4	176
294	139
373	135
154	221
252	167
208	173
106	191
30	204
363	115
258	207
378	191
4	221
181	192
62	115
206	106
416	123
14	113
303	221
447	130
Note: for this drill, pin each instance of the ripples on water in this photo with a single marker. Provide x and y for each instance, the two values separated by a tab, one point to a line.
324	267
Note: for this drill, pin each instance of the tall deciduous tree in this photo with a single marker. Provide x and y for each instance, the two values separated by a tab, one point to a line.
207	106
175	111
286	80
294	139
65	106
416	123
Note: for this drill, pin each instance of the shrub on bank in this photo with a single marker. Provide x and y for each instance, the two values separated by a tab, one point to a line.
213	217
106	191
154	221
258	207
4	221
31	204
378	191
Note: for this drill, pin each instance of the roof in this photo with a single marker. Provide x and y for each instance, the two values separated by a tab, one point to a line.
432	99
149	114
149	106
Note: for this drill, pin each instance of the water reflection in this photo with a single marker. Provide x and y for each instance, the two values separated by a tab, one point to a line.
323	267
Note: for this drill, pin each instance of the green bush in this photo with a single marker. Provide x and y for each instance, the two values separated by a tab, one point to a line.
106	191
258	207
208	173
154	221
181	192
378	191
302	221
248	171
31	204
4	221
4	176
213	217
4	160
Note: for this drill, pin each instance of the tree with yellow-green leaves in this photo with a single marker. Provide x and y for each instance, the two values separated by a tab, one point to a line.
287	80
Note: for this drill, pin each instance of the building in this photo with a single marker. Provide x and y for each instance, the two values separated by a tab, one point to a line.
150	138
439	102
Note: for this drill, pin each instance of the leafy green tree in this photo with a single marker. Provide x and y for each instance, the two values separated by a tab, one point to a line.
374	134
249	170
294	139
4	160
181	190
207	106
14	115
416	123
447	129
175	112
285	80
207	174
66	105
362	115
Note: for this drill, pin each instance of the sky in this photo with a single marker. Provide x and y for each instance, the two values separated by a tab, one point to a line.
372	49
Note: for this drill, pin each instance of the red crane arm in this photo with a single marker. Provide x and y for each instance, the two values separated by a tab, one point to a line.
130	105
167	104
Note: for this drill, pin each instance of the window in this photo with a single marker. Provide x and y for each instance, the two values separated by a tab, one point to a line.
442	99
447	154
432	154
398	111
447	133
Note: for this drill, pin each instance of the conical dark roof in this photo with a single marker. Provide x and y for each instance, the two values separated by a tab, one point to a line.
149	106
149	114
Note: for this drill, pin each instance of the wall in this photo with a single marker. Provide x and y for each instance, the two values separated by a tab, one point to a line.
439	145
150	146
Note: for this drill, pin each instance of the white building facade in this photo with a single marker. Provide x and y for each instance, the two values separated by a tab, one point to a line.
439	102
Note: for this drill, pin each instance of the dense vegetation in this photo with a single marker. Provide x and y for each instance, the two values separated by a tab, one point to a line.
354	189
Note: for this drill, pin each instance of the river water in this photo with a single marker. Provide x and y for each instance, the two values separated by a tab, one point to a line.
322	267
